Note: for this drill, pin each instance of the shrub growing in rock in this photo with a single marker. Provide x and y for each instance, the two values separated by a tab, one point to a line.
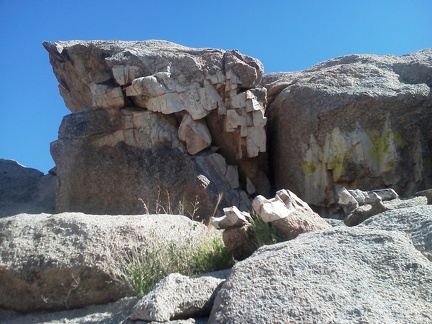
262	233
143	269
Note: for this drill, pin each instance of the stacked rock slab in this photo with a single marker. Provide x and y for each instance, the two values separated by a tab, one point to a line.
147	119
287	215
358	205
358	121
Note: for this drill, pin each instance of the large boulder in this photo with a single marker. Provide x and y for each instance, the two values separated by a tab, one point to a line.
336	276
358	121
25	190
69	260
148	115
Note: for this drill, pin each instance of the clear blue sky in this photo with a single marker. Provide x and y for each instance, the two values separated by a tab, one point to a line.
284	35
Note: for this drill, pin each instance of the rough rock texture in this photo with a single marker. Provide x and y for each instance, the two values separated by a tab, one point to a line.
180	297
426	193
358	121
289	215
416	222
238	241
25	190
161	101
337	276
69	260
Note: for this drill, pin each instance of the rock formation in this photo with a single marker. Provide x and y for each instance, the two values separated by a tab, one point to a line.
357	121
286	214
147	116
25	190
156	126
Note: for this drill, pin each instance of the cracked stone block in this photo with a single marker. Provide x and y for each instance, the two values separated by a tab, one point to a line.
124	74
195	134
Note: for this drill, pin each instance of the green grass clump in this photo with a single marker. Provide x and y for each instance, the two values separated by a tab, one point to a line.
142	271
261	233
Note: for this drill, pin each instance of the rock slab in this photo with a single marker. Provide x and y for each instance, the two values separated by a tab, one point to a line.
180	297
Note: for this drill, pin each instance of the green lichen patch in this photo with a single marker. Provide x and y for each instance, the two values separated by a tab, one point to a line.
308	167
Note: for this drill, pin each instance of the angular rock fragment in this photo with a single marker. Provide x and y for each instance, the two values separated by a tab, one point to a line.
360	205
179	297
195	134
233	218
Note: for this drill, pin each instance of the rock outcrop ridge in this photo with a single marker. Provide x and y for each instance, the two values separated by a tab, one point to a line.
155	123
358	121
149	100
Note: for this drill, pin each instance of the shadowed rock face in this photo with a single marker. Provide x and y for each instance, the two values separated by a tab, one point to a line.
358	121
147	116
